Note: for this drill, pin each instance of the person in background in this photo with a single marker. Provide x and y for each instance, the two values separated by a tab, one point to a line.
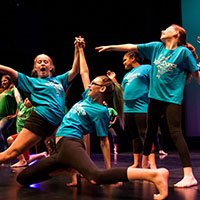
24	110
8	107
135	84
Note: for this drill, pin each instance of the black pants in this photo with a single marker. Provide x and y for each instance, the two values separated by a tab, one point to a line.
70	153
136	125
173	114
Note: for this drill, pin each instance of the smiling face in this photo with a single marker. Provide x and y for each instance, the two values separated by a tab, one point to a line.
96	88
43	65
127	62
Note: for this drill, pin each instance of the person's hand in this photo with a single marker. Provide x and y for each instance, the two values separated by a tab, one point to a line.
11	116
111	75
79	41
102	48
198	64
198	39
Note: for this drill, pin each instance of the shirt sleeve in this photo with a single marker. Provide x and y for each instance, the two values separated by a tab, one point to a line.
146	50
191	63
63	79
101	124
25	83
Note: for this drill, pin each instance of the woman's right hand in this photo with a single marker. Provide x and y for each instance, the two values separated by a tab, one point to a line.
103	48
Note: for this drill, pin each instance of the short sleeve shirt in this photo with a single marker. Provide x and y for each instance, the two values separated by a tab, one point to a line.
169	70
83	118
47	94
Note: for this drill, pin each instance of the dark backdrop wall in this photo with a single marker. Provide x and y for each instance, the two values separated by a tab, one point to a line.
28	28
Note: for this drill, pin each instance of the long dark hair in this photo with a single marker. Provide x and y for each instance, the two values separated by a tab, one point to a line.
114	91
134	54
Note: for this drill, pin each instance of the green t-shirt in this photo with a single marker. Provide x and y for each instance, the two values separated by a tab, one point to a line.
8	103
112	113
22	115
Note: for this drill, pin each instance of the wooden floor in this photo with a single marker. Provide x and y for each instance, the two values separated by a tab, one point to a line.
56	189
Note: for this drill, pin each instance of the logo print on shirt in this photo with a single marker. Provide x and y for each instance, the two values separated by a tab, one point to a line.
58	87
78	109
164	66
131	77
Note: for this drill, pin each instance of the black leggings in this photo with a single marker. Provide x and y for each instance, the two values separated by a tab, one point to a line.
173	115
136	125
70	153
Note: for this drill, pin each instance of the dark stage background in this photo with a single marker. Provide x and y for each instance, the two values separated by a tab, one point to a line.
28	28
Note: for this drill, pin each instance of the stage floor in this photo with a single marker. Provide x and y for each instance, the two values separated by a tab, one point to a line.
56	189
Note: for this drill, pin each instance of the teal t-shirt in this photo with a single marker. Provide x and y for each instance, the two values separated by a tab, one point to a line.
47	94
8	103
22	115
136	87
169	70
83	118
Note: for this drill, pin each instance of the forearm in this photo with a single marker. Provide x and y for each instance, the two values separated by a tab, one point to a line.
124	47
196	76
105	148
9	71
121	47
75	66
84	71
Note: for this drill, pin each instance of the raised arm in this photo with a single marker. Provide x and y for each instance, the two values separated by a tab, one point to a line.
7	70
75	66
84	71
121	47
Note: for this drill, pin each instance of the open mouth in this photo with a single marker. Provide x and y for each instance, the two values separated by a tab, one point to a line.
42	69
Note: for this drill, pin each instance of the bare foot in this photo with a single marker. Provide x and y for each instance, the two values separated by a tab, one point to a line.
74	182
19	164
161	152
187	181
161	182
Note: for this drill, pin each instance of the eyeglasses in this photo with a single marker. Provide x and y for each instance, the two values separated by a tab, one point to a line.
93	83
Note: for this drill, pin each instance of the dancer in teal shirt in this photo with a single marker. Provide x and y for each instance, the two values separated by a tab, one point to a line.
171	61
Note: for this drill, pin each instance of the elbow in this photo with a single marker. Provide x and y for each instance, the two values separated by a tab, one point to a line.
84	72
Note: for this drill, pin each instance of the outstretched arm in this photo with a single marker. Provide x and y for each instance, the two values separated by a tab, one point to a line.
121	47
7	70
75	66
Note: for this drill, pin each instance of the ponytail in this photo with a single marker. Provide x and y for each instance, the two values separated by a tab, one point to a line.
192	50
118	103
114	91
